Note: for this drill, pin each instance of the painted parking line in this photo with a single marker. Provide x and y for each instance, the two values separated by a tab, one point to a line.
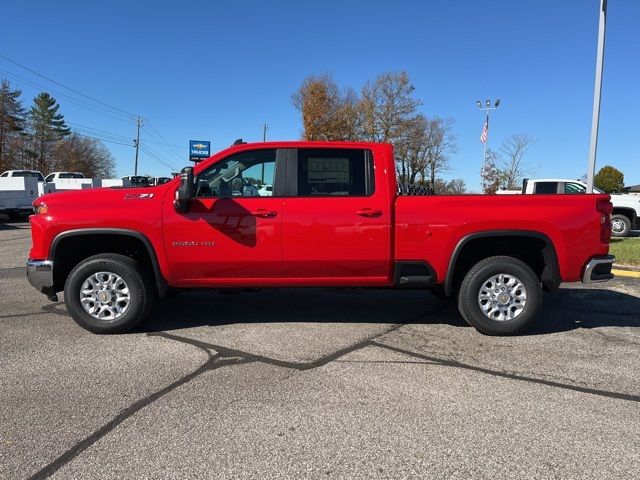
625	273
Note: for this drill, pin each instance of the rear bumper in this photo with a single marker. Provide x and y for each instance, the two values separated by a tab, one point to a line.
40	275
598	269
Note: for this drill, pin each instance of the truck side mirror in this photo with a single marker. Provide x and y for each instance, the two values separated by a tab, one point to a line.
185	191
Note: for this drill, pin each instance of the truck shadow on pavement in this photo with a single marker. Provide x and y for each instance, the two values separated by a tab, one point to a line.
12	224
573	308
568	309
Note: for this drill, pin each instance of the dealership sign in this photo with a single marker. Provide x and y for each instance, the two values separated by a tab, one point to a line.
199	150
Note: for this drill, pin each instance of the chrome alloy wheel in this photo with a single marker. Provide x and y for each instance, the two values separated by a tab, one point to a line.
502	297
105	296
617	226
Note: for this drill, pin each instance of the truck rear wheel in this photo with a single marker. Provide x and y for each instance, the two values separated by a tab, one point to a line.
500	296
620	225
108	293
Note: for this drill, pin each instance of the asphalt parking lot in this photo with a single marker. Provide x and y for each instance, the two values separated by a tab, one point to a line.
317	383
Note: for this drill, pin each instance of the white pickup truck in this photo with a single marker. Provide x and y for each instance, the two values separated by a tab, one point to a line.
626	208
17	193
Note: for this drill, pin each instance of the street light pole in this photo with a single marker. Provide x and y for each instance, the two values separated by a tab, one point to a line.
597	90
487	108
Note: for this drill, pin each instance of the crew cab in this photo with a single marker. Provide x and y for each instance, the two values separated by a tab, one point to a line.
626	208
335	217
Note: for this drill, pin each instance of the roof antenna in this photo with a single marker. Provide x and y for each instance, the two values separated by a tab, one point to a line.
238	142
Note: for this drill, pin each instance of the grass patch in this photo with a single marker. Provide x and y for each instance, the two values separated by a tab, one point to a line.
626	250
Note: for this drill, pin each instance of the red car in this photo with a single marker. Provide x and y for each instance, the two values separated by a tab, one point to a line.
335	218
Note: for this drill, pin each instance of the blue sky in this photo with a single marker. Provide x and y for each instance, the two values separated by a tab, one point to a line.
219	70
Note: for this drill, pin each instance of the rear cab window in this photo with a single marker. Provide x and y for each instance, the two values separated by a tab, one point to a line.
546	188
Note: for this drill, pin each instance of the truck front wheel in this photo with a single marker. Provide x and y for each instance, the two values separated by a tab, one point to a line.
500	296
620	225
108	293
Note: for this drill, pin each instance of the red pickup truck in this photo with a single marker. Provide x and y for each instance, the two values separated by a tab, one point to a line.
309	214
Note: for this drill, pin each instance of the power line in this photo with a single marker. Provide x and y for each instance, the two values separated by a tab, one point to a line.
101	139
158	159
160	137
123	137
109	111
122	112
75	101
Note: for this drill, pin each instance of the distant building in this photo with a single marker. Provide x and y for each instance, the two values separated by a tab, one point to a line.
632	189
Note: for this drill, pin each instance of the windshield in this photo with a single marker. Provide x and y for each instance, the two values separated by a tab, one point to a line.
71	175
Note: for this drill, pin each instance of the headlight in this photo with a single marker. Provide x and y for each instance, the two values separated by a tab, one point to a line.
40	209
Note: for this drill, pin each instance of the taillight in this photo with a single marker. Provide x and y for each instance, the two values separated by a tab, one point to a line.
605	207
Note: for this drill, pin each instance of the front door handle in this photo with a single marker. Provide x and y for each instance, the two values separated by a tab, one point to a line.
264	213
369	212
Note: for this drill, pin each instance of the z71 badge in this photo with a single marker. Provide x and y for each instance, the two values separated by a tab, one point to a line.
138	196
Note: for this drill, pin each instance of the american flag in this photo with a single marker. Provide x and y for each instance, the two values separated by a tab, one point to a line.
485	132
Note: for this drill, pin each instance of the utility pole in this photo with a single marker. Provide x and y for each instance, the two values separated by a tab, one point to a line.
136	143
484	137
597	90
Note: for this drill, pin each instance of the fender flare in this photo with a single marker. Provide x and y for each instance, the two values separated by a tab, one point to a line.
161	283
550	276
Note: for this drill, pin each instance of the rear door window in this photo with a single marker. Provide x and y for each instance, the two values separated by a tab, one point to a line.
572	188
330	172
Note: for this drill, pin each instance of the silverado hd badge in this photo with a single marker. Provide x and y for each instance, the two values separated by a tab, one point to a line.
192	244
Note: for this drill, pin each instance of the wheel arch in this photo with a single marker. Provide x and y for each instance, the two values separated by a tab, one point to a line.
63	238
628	212
549	272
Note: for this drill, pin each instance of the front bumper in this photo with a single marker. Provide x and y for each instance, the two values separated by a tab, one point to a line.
598	269
40	276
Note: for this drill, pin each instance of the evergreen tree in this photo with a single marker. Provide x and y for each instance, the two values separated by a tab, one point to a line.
609	179
11	122
47	127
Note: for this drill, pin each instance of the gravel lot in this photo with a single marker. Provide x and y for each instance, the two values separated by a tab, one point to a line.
317	383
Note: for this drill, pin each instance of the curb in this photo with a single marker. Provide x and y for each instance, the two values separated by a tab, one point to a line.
630	268
625	273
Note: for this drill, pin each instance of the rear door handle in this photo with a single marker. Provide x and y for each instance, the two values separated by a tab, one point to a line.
369	212
264	213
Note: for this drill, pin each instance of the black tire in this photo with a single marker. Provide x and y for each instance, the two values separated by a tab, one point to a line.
625	224
141	292
14	215
479	275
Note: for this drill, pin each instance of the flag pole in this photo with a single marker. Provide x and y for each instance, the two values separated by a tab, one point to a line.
484	162
485	129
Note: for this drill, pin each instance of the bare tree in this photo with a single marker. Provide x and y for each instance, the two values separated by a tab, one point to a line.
387	105
512	166
490	174
81	154
411	149
442	144
451	187
424	149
